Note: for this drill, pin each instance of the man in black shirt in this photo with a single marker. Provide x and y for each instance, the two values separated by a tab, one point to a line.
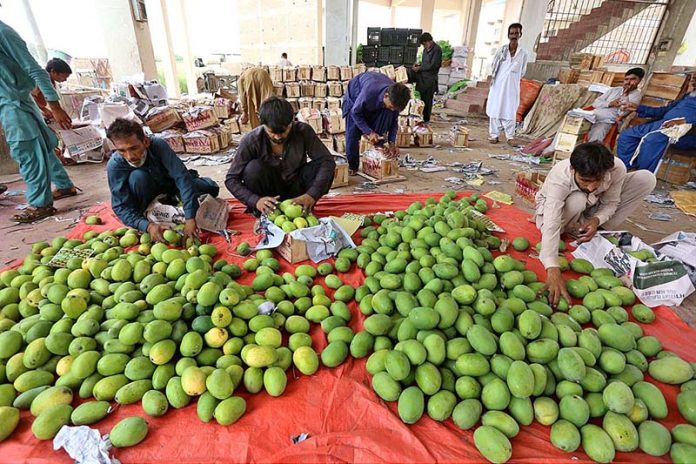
425	74
271	162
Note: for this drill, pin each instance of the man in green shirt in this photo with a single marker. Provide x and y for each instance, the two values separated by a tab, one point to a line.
30	140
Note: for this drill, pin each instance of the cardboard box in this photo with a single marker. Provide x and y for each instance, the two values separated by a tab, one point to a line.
321	90
278	89
416	107
340	143
334	123
223	108
311	117
380	168
567	142
404	137
388	70
318	74
233	125
294	103
328	141
318	104
341	173
345	87
224	135
333	73
304	72
199	117
276	74
333	104
575	125
293	251
459	136
346	73
174	139
201	141
677	167
400	74
289	74
527	184
306	89
305	102
560	155
335	89
292	90
162	118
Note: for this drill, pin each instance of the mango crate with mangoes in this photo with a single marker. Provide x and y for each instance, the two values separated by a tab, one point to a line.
450	328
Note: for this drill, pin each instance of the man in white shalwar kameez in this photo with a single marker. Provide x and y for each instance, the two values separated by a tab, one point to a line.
509	65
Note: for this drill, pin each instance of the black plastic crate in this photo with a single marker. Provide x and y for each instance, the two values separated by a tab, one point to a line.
384	53
396	55
370	53
410	55
379	64
412	37
387	36
400	37
370	64
374	35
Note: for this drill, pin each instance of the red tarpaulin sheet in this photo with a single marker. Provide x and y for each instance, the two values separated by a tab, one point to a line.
344	418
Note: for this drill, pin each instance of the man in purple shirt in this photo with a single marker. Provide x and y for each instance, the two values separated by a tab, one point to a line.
371	107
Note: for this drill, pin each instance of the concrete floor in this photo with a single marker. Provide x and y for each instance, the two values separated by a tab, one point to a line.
91	178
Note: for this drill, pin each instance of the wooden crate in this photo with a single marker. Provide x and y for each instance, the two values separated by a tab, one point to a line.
567	142
666	85
527	184
459	137
677	167
560	155
585	78
380	168
340	176
575	125
581	60
293	251
568	75
597	76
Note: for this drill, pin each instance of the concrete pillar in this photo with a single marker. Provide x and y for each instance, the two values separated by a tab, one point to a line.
532	20
191	85
128	42
7	164
354	32
38	39
676	23
511	15
337	17
471	13
426	15
170	58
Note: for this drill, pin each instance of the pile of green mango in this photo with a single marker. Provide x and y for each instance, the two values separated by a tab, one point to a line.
143	322
452	331
289	216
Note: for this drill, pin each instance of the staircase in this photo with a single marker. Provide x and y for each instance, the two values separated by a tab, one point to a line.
472	100
588	28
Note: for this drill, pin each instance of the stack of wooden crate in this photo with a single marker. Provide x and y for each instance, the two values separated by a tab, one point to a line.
571	132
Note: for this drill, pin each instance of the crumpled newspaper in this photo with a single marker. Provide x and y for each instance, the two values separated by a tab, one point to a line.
325	240
267	308
85	445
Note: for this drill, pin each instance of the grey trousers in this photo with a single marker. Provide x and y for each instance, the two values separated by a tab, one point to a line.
598	131
636	187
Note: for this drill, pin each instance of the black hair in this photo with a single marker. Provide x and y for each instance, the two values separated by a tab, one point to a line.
123	128
58	65
276	113
638	72
515	26
399	95
591	160
425	37
284	55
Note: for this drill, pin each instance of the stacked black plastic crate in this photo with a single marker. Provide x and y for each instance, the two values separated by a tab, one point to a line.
391	46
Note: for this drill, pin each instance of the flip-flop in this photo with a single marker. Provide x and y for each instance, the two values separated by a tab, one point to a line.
493	140
34	214
3	188
352	172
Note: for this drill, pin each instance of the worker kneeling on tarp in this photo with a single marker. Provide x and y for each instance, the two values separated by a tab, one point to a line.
581	194
371	108
271	162
144	168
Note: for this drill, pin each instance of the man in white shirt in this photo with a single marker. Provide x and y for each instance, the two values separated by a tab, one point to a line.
612	105
509	65
580	194
284	60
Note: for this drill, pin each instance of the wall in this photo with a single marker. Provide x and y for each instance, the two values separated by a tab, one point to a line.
686	53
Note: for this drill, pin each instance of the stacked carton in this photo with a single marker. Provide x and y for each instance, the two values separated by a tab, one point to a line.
571	133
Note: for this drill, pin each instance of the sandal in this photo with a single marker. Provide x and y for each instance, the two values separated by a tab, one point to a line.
493	140
3	188
34	214
59	194
352	172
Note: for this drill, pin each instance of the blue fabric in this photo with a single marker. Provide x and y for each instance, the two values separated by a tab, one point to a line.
162	173
38	166
364	105
655	144
353	134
